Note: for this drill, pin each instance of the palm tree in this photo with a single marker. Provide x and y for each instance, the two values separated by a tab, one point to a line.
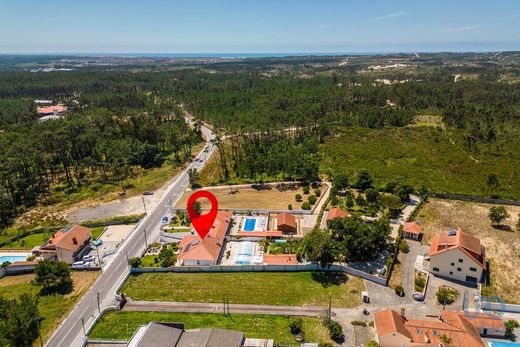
193	176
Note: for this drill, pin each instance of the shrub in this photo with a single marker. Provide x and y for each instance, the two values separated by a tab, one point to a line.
298	197
306	206
446	295
289	207
404	247
134	262
389	263
359	323
306	190
312	199
5	264
296	325
371	323
399	290
420	282
317	192
511	325
373	344
336	332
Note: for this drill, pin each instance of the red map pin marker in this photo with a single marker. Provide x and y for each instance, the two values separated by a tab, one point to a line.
202	222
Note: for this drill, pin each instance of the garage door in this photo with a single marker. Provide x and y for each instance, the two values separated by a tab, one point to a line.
471	279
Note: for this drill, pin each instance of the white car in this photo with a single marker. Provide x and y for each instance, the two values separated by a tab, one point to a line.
87	258
78	264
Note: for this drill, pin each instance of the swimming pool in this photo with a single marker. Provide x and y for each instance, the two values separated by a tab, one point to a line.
495	343
245	253
10	257
250	224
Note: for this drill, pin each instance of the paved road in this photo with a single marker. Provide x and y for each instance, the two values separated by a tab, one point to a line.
70	332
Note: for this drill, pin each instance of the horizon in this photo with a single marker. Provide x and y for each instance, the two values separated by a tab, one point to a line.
296	27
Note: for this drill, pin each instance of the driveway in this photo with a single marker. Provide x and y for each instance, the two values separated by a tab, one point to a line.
409	265
411	205
466	293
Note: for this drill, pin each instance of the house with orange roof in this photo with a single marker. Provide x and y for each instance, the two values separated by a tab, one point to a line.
457	255
67	245
194	251
394	329
286	223
51	110
336	213
412	230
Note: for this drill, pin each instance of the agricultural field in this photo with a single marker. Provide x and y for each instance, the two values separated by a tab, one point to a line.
424	155
502	245
292	289
53	308
248	198
122	324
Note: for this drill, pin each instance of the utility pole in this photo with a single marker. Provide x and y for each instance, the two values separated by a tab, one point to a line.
98	305
83	325
127	260
99	259
145	240
330	308
224	303
144	205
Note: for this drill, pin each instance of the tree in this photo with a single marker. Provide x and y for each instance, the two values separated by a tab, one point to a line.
166	257
403	191
511	325
364	181
372	343
446	339
312	199
340	182
336	332
298	197
19	321
134	262
497	214
404	247
393	204
53	276
372	196
399	290
306	206
318	246
492	183
296	325
193	176
197	206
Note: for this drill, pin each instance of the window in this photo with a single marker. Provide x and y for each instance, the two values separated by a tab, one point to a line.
473	269
461	261
435	269
459	269
452	264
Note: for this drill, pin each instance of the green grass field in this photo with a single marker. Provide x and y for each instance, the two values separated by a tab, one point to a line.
268	288
122	324
29	241
424	156
52	308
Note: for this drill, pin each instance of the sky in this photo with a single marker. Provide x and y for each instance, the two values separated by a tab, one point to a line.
257	26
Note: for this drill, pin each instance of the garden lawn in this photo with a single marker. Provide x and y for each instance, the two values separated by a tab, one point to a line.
29	241
426	156
122	324
267	288
53	308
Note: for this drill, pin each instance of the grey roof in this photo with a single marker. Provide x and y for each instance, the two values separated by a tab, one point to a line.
160	335
211	337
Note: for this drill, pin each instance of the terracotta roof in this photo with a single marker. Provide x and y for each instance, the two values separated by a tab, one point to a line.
193	248
286	219
280	259
412	227
457	239
425	332
260	233
336	213
23	263
69	238
479	320
389	321
51	109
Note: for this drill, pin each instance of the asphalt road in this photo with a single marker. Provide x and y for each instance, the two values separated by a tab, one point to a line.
101	294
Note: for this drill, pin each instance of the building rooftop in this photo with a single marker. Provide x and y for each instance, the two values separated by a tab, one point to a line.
69	238
412	227
280	259
336	213
457	239
286	219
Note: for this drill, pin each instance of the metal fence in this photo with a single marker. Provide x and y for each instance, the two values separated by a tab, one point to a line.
266	268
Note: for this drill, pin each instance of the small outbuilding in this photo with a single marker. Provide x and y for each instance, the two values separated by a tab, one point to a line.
412	230
286	223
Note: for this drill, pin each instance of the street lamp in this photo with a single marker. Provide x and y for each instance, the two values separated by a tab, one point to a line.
144	205
145	241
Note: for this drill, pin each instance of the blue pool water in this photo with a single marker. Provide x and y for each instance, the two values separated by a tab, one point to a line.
12	259
503	344
249	225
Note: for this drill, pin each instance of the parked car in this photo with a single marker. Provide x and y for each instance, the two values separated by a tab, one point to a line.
78	264
148	193
165	220
88	258
418	296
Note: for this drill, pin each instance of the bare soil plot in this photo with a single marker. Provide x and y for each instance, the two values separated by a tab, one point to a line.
502	247
247	198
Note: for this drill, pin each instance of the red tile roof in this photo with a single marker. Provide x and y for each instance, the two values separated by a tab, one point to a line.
51	109
468	244
412	227
479	320
336	213
193	248
286	219
280	259
424	332
69	238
